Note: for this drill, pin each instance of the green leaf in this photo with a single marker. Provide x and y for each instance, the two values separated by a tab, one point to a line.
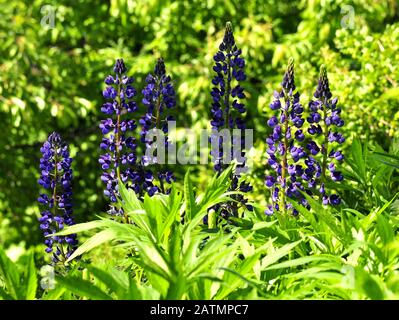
278	254
107	278
10	275
31	279
54	294
367	221
99	238
358	158
81	227
301	261
189	196
385	230
369	285
130	202
82	288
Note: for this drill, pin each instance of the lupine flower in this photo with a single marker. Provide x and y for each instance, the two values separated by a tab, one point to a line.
159	95
227	111
56	178
119	159
286	155
325	119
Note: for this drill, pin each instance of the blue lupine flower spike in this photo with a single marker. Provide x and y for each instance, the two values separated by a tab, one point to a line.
324	120
56	178
119	158
227	113
286	155
159	97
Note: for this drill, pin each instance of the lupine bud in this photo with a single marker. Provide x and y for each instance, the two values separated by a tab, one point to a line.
56	178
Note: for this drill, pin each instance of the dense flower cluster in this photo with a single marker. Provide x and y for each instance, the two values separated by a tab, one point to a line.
227	113
120	147
159	95
300	162
286	155
56	177
324	116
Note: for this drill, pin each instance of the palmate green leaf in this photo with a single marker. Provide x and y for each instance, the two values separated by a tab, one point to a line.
10	275
82	288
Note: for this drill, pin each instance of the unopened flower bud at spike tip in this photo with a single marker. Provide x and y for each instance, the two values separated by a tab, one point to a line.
160	69
323	87
288	82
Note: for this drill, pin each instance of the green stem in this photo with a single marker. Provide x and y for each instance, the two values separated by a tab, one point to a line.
55	203
157	126
117	135
325	151
284	163
228	91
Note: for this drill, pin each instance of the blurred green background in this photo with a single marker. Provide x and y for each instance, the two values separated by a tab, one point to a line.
51	78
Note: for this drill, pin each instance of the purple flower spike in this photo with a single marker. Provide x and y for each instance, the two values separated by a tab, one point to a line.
56	178
158	97
286	137
117	143
228	112
326	138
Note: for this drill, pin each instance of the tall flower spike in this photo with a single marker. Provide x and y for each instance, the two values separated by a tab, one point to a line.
227	112
56	178
159	95
119	159
285	154
324	116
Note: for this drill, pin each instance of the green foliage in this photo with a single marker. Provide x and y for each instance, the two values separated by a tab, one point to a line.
14	283
51	79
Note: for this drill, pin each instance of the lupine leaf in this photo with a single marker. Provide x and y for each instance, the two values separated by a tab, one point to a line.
82	288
